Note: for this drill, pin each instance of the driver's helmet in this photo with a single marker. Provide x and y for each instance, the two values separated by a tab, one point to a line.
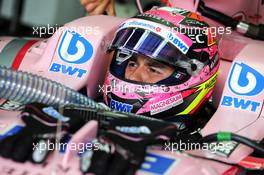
173	36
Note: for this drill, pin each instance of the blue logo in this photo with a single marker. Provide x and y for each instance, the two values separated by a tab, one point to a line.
55	114
177	42
157	164
240	103
244	80
73	48
123	107
69	70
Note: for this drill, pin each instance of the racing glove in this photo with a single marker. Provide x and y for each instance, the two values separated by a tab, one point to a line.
41	124
122	147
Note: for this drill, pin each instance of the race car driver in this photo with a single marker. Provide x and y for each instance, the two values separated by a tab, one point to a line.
165	64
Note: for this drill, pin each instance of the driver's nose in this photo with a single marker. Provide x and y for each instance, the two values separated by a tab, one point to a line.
139	74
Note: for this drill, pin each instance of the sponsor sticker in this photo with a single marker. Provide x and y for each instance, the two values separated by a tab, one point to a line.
119	106
223	149
177	42
246	83
73	49
166	104
244	80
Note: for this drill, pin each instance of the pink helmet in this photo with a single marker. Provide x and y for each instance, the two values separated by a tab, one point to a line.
173	36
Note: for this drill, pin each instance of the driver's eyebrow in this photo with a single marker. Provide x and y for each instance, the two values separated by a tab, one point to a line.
153	63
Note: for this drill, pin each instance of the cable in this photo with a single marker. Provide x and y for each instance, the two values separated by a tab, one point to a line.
139	6
247	29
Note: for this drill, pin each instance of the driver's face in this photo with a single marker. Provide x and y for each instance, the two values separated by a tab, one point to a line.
145	70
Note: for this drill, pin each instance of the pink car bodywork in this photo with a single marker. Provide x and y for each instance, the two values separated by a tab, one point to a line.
240	107
250	11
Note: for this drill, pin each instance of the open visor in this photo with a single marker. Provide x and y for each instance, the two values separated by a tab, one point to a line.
144	42
147	43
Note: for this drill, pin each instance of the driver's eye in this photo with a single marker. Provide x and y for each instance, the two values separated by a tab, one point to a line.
153	70
131	64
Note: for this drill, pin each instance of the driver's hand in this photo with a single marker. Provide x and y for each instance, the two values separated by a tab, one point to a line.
98	7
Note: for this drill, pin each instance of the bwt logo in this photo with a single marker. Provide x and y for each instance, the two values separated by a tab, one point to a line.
75	49
119	106
244	81
178	43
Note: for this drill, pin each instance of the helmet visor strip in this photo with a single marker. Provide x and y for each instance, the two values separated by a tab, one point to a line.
144	42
